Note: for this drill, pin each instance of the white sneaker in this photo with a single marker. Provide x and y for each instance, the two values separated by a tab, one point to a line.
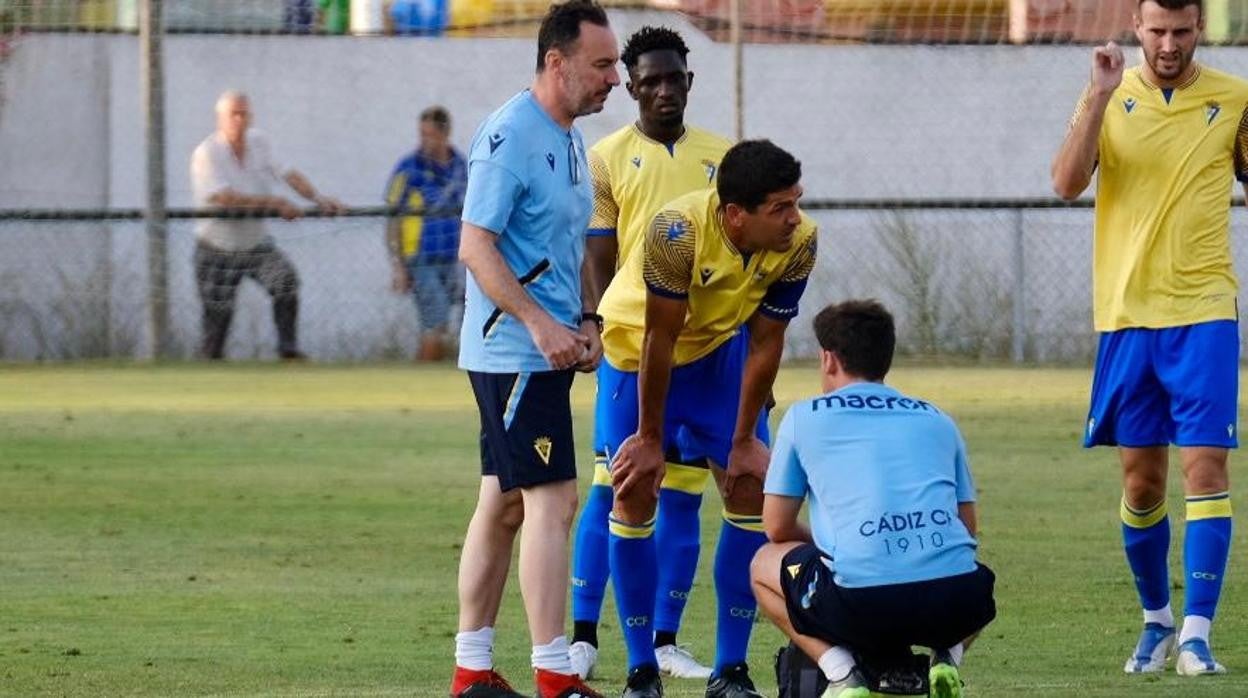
1155	645
584	657
678	663
1195	659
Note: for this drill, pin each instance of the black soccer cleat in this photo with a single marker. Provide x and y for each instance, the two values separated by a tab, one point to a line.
733	682
643	682
488	690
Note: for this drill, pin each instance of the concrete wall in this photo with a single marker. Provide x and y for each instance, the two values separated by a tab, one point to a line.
867	121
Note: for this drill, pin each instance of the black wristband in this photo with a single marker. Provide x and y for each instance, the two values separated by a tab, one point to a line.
593	316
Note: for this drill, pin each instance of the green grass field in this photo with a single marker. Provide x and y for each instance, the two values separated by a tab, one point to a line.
294	531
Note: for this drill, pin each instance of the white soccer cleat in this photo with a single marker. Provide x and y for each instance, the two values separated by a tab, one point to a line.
1195	659
1155	645
584	657
678	663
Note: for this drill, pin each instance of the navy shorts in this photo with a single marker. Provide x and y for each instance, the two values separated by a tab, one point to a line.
1176	385
526	427
884	621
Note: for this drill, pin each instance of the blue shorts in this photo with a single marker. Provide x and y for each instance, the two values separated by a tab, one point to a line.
437	287
701	411
1176	385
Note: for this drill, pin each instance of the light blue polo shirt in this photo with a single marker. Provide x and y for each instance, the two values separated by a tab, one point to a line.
528	182
883	474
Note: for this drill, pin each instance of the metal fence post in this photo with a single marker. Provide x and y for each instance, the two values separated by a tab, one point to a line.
152	93
1019	334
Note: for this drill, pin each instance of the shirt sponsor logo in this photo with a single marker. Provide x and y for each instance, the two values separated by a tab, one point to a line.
871	402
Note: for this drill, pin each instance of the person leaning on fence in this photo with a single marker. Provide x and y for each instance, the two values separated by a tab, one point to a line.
424	248
233	169
888	560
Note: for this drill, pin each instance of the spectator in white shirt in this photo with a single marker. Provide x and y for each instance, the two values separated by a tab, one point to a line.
233	169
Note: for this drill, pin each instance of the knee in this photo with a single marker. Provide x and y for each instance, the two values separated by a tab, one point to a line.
763	566
746	496
637	507
1206	472
511	514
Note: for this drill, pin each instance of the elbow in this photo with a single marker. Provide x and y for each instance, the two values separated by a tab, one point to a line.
1066	186
1065	191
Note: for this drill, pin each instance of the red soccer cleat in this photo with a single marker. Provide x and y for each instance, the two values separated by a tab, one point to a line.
554	685
474	683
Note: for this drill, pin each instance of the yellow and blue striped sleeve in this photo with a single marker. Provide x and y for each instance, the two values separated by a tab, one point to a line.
396	187
606	213
668	251
782	297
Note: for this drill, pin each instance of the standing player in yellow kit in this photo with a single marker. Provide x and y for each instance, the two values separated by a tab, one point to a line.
1166	136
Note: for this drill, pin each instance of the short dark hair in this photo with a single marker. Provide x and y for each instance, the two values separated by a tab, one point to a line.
561	26
438	116
649	39
1176	4
861	334
753	170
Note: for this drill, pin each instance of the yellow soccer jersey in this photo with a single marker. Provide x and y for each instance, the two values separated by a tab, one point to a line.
634	176
687	254
1162	253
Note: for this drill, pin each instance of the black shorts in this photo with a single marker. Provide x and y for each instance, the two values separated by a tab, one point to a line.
526	426
883	621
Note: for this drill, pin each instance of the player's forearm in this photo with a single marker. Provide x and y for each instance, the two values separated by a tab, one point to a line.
1076	159
653	378
599	268
761	366
478	253
966	512
780	521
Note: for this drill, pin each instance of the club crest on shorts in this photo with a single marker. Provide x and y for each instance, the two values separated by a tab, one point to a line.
542	445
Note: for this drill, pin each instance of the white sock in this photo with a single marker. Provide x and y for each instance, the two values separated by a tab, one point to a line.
955	653
553	657
836	664
1195	627
1162	615
474	649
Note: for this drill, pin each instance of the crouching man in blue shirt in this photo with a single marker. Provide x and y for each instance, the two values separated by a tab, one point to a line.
888	560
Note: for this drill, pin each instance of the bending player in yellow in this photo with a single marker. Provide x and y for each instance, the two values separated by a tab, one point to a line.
679	371
636	170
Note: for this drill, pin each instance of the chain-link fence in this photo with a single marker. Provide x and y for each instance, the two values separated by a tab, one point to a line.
986	283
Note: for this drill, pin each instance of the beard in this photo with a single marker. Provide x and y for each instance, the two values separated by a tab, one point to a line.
1169	70
580	99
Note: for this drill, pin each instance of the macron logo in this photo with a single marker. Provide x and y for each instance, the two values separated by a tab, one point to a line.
495	141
